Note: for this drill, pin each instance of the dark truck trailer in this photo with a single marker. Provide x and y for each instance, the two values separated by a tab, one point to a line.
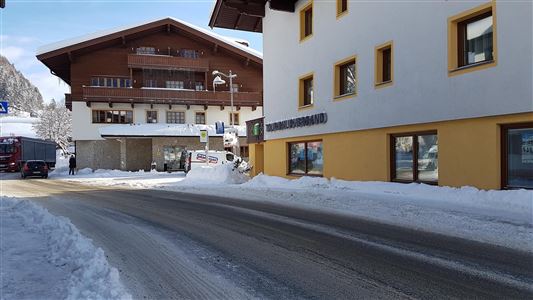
14	151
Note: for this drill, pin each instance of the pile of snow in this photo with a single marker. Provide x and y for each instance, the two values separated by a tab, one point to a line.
44	256
515	201
219	174
18	126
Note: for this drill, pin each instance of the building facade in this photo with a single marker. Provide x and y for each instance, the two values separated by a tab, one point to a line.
433	92
141	94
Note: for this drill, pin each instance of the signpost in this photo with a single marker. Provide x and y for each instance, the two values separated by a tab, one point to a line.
204	138
4	105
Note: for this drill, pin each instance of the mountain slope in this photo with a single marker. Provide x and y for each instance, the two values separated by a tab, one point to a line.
15	88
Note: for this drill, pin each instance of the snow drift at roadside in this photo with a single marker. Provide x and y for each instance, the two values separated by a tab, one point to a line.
219	174
88	272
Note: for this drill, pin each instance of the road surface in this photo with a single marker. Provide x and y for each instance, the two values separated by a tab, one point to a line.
171	245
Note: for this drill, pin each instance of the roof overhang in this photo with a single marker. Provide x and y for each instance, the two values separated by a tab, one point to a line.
245	15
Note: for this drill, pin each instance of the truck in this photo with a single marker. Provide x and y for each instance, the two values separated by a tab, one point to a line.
16	150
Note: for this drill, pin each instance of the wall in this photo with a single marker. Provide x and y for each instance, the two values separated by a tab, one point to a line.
84	129
421	92
103	154
257	156
469	151
138	154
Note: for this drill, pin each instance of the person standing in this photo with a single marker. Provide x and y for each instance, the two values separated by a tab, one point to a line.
71	165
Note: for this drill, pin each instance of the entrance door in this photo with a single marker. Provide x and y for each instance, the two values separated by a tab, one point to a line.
517	156
172	155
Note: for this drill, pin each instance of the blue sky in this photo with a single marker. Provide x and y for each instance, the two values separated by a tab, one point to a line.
28	24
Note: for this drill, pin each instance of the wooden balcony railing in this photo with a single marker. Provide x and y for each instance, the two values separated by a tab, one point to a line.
170	96
167	62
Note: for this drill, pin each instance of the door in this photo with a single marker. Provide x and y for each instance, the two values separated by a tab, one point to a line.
517	156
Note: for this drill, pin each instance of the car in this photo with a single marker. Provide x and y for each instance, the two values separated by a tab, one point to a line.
196	158
34	168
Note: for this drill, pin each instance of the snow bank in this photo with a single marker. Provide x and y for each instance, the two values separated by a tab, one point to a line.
516	201
220	174
88	272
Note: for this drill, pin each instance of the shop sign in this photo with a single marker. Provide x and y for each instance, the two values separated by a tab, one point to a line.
311	120
203	136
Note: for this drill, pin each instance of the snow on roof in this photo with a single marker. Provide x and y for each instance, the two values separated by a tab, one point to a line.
84	38
125	130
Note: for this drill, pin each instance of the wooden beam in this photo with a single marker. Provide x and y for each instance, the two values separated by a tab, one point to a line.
215	48
123	40
205	106
110	104
132	105
221	107
249	8
188	106
88	103
238	108
247	62
236	25
70	57
168	28
254	108
283	5
257	22
170	106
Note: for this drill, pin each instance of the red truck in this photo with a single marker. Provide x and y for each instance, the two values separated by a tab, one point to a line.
15	150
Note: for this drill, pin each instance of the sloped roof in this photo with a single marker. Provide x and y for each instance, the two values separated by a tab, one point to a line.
57	55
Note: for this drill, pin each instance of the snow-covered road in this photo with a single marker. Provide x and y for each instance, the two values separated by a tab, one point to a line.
176	245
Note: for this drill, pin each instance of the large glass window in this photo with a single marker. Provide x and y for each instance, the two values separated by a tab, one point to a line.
475	39
518	156
306	158
415	157
200	118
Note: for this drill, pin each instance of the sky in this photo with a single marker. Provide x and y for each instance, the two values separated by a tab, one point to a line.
26	25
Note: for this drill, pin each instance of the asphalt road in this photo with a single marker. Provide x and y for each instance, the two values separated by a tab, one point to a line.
170	245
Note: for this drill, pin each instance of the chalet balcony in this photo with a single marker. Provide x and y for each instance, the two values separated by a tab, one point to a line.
167	62
170	96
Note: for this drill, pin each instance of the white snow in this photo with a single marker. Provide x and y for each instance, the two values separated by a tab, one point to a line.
502	218
18	126
46	257
102	33
162	130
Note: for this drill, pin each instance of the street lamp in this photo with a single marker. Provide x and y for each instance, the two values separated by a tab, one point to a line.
219	80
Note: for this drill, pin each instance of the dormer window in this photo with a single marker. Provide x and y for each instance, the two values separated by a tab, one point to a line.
145	50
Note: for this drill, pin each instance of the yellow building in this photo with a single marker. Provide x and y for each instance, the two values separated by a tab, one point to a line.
432	92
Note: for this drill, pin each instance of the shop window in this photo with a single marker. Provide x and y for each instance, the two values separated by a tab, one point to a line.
517	156
306	93
472	39
151	116
305	158
200	118
175	117
306	22
345	78
415	157
384	65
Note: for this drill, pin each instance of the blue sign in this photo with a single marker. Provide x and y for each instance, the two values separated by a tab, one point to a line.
219	126
3	107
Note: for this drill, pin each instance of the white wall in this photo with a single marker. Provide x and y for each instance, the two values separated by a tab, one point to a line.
422	90
84	129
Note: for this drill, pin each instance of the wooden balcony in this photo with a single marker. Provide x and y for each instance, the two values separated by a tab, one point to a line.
170	96
164	62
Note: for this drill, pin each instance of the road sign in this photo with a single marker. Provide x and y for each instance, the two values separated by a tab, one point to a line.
203	136
4	105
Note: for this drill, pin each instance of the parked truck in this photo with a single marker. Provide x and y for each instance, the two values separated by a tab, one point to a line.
14	151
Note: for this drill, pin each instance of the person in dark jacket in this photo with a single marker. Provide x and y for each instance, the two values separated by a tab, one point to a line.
71	165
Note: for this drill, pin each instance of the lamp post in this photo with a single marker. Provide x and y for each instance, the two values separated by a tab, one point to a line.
216	81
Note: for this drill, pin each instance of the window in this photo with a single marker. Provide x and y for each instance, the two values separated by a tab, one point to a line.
306	21
110	82
384	65
199	86
112	116
145	50
342	7
305	158
306	93
415	157
174	85
199	118
188	53
235	118
176	117
151	116
472	40
345	78
150	83
517	156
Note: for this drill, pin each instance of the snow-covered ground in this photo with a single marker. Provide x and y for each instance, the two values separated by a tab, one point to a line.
497	217
46	257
